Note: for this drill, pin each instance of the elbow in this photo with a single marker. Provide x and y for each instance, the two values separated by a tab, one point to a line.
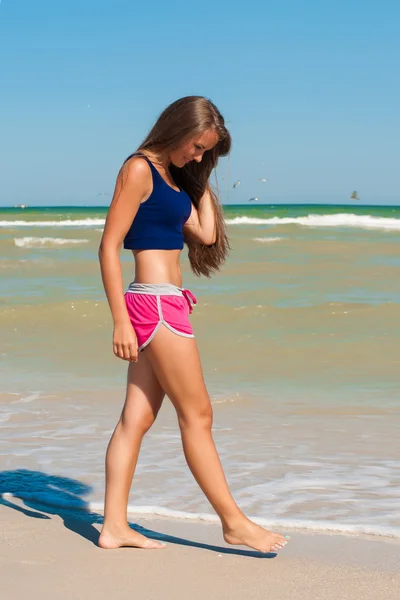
210	240
107	249
100	252
100	255
207	237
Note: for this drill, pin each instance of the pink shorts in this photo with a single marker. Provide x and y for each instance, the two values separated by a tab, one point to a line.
152	305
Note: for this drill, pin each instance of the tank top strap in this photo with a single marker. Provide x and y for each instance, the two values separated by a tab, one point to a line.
152	167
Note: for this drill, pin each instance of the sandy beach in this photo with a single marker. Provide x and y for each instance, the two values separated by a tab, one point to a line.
50	556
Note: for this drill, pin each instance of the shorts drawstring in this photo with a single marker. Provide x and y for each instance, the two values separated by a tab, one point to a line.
190	299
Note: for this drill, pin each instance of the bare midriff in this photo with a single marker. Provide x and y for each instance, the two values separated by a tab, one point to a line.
158	266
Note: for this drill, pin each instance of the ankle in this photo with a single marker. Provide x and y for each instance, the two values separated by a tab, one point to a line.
232	521
114	527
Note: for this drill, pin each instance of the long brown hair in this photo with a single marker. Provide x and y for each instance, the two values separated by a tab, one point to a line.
181	120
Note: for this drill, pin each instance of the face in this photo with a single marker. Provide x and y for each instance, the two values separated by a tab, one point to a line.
194	148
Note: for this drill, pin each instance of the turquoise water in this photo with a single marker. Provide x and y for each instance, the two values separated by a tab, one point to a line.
306	286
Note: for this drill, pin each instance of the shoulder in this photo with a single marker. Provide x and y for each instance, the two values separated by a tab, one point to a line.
136	170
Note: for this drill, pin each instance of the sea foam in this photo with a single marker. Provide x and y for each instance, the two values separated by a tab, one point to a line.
60	501
64	223
267	240
47	242
336	220
331	220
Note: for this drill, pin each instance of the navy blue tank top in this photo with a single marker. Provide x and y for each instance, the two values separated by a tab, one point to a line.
159	220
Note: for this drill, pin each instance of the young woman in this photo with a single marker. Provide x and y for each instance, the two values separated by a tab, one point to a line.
162	199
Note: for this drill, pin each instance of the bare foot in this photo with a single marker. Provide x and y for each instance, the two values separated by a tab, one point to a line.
247	533
128	537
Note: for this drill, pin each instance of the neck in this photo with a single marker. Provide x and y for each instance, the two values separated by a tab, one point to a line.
158	158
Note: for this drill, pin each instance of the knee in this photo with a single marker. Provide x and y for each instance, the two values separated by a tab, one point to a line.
200	416
138	423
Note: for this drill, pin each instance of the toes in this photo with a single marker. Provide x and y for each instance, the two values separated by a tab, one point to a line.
279	545
282	540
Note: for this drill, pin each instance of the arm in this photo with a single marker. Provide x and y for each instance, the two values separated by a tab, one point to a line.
201	223
132	187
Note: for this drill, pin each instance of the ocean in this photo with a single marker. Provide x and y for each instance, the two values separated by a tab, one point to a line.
300	343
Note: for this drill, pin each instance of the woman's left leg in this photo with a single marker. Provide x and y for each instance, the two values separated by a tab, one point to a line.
176	363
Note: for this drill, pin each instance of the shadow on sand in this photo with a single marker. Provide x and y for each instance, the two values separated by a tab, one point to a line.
44	495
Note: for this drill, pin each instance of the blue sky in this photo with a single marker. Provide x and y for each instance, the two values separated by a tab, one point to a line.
310	91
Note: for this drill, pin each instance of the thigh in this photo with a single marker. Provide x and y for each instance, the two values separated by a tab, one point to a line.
144	394
176	362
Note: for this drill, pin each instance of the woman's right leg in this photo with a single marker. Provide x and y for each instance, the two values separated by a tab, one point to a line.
144	397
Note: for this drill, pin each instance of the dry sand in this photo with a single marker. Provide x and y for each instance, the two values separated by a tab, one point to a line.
54	556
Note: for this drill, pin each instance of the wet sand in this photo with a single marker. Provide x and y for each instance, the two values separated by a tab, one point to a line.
43	556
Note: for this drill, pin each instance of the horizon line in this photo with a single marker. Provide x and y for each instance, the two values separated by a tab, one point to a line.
23	206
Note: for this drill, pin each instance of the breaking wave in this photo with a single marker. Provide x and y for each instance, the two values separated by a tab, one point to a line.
336	220
46	242
64	223
266	240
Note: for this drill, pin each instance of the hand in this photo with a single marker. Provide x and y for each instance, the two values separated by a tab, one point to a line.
125	342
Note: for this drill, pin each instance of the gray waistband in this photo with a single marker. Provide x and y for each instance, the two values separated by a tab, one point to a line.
155	289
